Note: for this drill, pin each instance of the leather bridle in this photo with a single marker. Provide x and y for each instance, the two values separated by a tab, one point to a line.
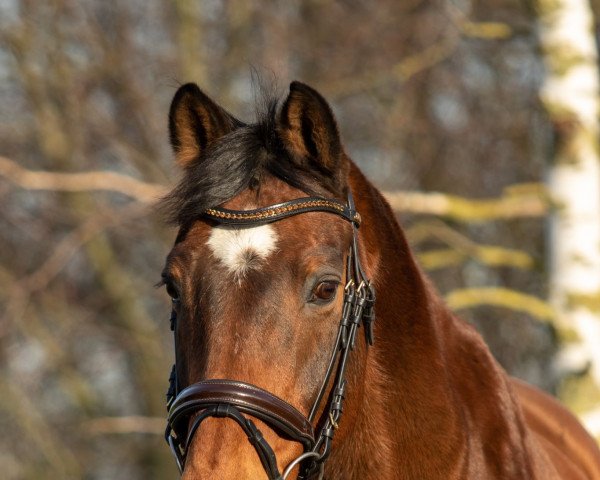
235	399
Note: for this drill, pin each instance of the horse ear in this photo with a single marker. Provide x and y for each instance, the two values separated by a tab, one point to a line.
310	132
195	122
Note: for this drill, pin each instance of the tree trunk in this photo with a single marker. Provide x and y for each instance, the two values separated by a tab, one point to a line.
571	97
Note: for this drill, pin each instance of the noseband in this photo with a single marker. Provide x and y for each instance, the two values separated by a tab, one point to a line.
235	399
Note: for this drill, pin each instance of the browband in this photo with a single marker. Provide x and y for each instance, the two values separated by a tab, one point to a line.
282	210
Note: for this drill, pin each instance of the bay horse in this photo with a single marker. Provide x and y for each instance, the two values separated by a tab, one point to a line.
282	245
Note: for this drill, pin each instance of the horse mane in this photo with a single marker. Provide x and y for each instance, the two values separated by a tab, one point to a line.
239	160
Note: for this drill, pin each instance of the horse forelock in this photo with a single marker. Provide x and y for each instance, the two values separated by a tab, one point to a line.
241	159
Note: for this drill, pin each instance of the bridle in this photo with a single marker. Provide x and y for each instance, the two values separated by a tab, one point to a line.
233	399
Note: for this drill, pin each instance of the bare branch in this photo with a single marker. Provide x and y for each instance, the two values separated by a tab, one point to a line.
482	30
510	205
501	297
425	59
126	425
513	204
35	431
405	69
485	254
69	245
80	182
22	289
462	248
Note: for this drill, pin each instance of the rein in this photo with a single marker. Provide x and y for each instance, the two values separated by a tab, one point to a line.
233	399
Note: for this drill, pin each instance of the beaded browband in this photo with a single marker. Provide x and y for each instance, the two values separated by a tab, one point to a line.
282	210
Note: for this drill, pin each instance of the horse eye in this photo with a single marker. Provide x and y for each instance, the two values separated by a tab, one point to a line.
324	291
172	291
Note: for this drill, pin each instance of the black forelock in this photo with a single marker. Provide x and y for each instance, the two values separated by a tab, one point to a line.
232	163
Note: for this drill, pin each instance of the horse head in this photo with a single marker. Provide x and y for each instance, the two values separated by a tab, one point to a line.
267	286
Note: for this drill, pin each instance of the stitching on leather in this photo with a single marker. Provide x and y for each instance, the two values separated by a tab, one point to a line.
248	386
282	210
182	409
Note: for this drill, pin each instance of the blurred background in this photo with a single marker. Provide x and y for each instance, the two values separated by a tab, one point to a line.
477	118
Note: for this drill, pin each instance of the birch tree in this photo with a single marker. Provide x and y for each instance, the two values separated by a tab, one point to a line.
571	97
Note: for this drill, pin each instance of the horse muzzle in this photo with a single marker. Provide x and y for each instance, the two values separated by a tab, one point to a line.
234	400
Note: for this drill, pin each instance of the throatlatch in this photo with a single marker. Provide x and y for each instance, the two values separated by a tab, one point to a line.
233	399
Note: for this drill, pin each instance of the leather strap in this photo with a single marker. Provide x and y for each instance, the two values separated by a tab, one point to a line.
263	449
276	212
247	399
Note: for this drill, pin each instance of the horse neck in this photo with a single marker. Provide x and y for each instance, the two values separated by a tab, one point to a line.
389	381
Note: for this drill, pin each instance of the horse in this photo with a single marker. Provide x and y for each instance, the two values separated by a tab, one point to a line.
308	341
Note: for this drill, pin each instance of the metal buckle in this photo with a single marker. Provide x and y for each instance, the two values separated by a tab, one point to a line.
298	460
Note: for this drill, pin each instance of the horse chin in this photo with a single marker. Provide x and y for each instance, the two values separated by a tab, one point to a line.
221	450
